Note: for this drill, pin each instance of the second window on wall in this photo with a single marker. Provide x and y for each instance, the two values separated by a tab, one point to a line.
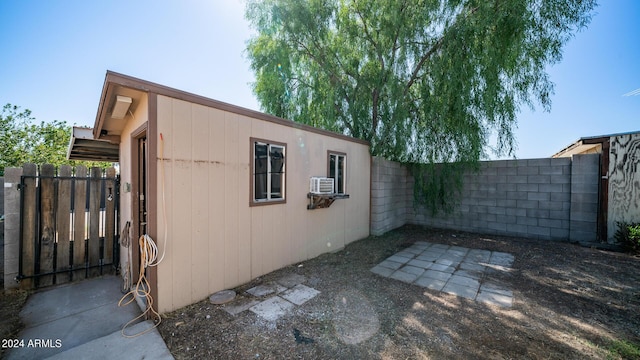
268	171
338	171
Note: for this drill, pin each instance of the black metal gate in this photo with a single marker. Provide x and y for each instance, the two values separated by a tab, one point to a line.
68	224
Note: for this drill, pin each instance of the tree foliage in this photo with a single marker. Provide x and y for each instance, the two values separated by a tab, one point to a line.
424	81
23	140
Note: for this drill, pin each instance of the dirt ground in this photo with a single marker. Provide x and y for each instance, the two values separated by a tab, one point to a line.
11	302
570	302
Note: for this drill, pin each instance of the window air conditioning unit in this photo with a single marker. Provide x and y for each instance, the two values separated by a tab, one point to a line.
321	185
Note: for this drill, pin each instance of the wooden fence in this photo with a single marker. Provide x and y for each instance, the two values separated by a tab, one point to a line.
68	224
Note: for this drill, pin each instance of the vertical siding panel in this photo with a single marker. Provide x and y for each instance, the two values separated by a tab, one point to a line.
298	176
231	205
257	244
266	238
280	248
166	271
182	202
200	195
244	214
216	200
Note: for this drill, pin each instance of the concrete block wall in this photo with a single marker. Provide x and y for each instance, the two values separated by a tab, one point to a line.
389	195
529	198
585	179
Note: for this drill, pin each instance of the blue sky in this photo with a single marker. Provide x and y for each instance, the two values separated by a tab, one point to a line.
55	55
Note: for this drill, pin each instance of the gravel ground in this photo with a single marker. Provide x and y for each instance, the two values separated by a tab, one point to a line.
570	302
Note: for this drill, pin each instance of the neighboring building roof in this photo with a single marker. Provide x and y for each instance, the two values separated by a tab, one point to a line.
588	145
84	147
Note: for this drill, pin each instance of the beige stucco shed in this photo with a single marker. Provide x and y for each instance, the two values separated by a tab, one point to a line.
228	186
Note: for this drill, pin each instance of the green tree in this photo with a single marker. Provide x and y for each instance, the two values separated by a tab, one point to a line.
424	81
22	140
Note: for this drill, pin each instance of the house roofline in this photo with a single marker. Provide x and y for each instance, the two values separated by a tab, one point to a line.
151	87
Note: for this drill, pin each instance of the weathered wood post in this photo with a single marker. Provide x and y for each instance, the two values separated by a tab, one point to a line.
63	212
94	220
110	221
79	222
28	220
47	223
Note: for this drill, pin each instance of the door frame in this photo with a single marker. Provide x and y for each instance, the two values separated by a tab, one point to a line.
148	130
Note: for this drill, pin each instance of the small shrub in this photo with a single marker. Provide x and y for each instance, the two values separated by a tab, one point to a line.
628	236
622	349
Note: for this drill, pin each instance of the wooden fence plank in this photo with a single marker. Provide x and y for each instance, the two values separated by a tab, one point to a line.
28	225
79	224
47	223
94	221
63	260
110	219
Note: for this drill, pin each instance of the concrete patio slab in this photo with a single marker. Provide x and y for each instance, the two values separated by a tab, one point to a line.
82	317
453	269
114	346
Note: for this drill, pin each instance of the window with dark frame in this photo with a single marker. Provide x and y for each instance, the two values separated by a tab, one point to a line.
268	171
337	171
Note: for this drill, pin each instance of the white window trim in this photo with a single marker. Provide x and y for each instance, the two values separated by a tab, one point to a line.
344	171
269	198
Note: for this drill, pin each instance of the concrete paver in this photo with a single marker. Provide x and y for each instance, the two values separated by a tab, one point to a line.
272	308
273	300
453	269
403	276
430	283
300	294
461	290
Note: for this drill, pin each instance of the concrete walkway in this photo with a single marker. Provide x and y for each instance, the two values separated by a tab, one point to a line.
451	269
83	321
